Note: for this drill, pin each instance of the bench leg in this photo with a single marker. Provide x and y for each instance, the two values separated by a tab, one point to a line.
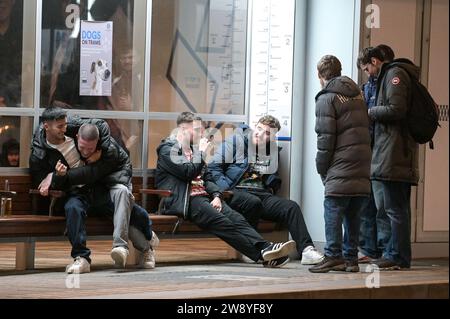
25	255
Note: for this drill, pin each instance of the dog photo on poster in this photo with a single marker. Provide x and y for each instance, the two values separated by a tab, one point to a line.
96	58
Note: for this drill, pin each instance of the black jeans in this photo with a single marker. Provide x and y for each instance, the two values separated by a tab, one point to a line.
255	205
228	225
79	206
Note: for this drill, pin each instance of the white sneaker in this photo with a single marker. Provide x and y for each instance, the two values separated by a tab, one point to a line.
310	256
119	255
147	259
79	266
154	242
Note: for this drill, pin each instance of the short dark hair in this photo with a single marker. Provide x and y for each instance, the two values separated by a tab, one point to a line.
387	51
88	132
53	113
329	67
366	55
270	121
186	117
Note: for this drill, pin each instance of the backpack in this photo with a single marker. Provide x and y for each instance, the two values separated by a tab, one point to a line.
422	117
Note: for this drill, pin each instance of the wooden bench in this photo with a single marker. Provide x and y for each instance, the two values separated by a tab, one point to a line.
31	221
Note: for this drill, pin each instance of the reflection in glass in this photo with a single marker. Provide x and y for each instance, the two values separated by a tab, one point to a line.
11	33
128	133
60	73
198	56
15	140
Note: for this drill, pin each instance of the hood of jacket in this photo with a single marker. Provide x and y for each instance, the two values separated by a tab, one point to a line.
341	85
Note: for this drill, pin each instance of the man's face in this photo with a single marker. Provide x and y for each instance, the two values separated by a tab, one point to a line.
198	131
127	61
13	158
187	132
263	134
372	68
5	9
55	130
86	148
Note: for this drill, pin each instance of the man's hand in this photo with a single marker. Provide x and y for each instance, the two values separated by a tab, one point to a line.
45	185
217	204
60	169
203	144
94	157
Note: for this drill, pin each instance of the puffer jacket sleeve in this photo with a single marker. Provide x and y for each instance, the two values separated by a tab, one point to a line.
178	165
395	83
74	123
218	166
326	133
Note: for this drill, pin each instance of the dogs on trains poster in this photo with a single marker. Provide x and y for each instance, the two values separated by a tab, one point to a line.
96	58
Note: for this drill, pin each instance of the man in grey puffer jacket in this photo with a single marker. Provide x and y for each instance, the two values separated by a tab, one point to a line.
343	162
395	154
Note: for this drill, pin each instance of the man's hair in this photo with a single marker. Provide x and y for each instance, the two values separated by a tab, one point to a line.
186	117
53	113
366	55
270	121
387	51
88	132
329	67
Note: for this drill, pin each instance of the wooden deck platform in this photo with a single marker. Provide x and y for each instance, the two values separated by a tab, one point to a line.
200	268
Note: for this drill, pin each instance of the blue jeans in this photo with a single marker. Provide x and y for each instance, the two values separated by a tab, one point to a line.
393	198
338	211
374	231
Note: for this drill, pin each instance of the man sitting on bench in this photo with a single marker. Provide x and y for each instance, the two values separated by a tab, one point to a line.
247	164
181	169
52	149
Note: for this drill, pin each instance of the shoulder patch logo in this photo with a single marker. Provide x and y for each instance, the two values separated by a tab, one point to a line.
396	81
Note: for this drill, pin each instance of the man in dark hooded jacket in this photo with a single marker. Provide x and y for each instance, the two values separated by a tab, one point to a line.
395	153
343	162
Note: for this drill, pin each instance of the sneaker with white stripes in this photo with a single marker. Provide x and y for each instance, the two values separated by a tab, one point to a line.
276	263
278	250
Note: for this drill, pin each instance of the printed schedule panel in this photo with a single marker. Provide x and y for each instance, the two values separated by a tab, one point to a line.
272	62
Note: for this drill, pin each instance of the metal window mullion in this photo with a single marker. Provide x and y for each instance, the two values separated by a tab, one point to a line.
147	88
37	64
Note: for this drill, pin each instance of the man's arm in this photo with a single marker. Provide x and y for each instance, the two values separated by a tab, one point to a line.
217	167
396	91
74	123
178	165
326	133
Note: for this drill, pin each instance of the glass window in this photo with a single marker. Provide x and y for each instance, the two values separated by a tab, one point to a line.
128	133
198	56
16	57
61	52
15	140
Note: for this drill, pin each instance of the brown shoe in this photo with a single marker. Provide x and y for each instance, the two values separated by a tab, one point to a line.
327	264
351	266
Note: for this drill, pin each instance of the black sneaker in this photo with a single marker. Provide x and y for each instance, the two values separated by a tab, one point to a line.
276	263
327	264
351	266
386	264
278	250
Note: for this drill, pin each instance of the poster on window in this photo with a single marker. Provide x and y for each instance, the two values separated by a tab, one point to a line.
96	58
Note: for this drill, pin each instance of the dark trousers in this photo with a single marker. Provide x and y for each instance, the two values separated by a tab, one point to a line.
264	205
342	211
228	225
393	198
77	209
374	230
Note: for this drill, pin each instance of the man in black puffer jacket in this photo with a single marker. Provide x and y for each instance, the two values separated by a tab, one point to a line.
103	184
343	162
395	153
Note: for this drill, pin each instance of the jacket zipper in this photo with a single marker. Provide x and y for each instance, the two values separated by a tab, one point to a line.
185	202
